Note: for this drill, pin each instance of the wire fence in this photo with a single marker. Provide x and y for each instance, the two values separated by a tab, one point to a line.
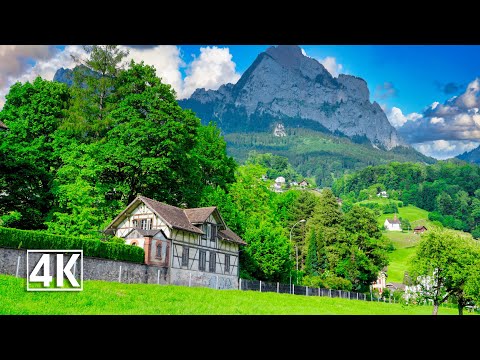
263	286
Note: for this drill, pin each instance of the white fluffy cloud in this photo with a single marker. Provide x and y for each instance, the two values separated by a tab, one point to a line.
398	119
331	65
14	59
16	62
443	149
213	68
457	118
167	61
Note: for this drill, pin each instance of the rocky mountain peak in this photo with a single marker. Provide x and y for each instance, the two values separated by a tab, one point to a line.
284	86
287	55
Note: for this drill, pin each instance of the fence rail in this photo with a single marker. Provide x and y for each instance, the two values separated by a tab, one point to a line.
263	286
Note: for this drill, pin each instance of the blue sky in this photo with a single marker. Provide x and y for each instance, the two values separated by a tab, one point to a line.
404	79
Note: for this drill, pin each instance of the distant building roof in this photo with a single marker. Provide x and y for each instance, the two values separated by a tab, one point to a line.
419	227
393	221
280	179
3	126
395	286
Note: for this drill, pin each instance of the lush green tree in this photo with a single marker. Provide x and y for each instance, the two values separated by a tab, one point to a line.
302	208
327	222
405	224
269	249
216	167
94	83
442	266
28	162
312	264
81	207
148	150
444	204
365	251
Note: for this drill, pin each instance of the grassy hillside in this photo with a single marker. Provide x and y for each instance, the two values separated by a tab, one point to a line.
318	154
399	263
101	297
405	241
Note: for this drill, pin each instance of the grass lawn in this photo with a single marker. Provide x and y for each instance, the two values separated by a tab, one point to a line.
100	297
415	215
399	262
402	239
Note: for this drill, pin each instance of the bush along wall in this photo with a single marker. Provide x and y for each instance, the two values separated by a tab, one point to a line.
29	239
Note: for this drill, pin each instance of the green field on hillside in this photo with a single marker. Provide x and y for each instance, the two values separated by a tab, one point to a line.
415	215
399	263
100	297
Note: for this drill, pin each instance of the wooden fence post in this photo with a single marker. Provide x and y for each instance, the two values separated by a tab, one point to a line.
278	287
189	279
240	284
158	276
120	274
260	285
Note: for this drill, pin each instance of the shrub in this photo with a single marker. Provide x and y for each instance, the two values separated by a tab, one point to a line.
28	239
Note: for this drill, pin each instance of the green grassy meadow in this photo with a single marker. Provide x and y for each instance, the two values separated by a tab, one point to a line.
100	297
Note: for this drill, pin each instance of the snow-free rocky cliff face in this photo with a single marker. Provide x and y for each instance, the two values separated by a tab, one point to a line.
284	86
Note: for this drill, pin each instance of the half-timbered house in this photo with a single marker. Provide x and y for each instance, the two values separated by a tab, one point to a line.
190	246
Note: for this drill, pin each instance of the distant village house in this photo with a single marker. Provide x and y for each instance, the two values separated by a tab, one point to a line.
188	245
303	183
382	194
380	283
419	229
392	224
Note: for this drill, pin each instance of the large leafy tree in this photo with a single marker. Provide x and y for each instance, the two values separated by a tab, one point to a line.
365	250
302	208
94	83
28	162
442	267
148	151
327	221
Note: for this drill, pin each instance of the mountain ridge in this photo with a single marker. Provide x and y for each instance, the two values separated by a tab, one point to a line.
284	86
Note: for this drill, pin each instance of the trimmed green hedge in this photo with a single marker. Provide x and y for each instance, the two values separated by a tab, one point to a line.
29	239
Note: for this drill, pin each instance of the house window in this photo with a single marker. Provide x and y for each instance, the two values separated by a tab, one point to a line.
202	260
209	230
213	233
185	256
212	263
227	263
135	223
134	243
146	224
159	250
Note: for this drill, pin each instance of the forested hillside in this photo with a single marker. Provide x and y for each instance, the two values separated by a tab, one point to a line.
317	154
449	190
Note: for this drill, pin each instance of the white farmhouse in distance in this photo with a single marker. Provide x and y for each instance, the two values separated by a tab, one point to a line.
392	224
382	194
